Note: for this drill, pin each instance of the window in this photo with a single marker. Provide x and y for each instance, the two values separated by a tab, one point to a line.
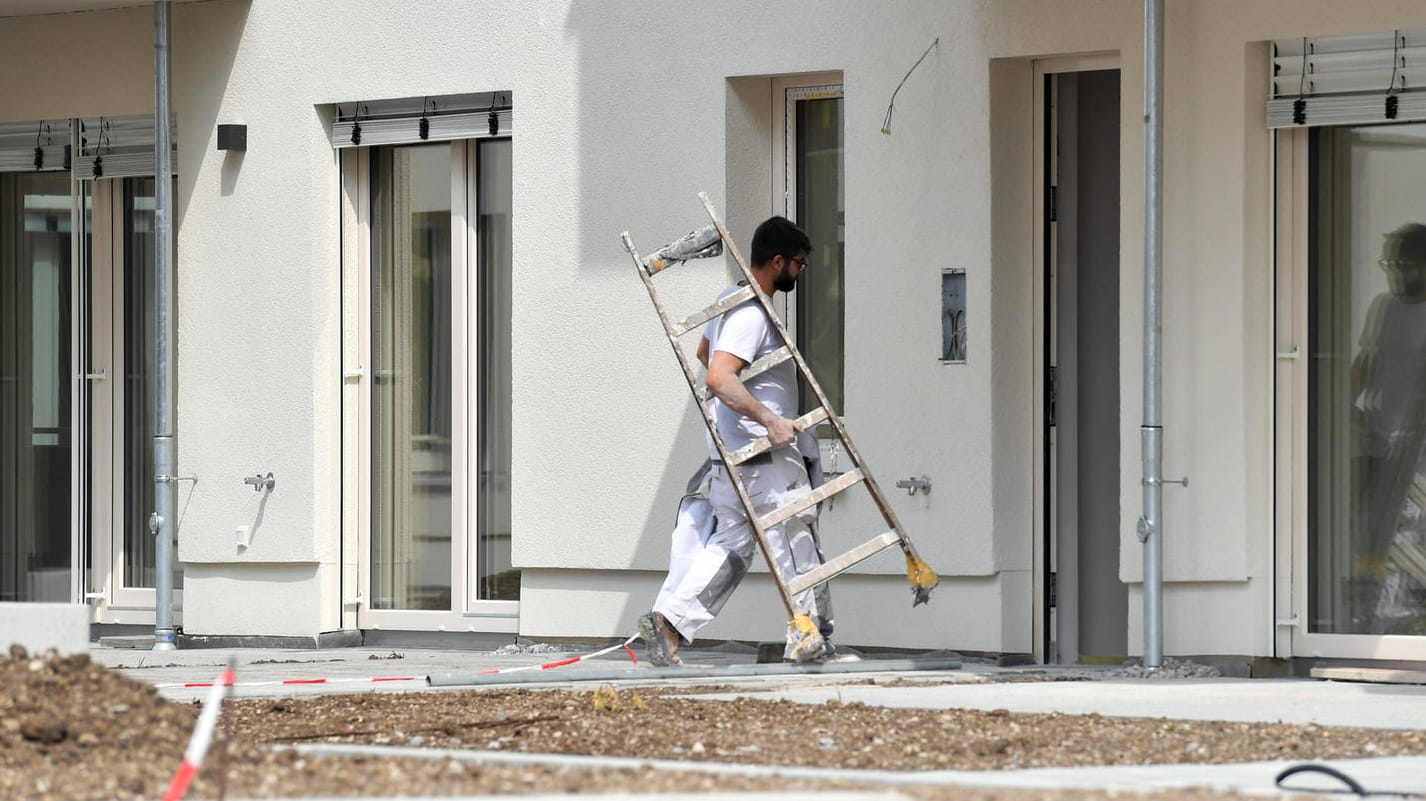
35	401
419	381
497	580
411	453
813	193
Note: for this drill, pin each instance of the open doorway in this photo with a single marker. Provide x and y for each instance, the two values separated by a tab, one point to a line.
1084	605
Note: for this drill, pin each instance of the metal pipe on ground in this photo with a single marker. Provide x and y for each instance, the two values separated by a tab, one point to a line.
695	672
581	761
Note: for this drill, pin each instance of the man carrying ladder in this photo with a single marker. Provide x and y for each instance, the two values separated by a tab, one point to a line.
760	489
764	405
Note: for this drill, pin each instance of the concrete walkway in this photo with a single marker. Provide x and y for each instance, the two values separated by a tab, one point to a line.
265	672
1326	703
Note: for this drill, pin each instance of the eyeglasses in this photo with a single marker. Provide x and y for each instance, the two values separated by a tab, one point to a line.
1400	264
801	262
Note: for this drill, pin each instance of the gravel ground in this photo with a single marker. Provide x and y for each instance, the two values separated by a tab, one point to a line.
71	729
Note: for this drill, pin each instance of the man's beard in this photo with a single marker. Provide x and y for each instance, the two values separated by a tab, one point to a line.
785	284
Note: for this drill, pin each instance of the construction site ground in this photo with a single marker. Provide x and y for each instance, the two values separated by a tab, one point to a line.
115	724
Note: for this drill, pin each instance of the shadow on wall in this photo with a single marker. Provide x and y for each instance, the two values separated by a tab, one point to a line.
663	154
206	34
656	203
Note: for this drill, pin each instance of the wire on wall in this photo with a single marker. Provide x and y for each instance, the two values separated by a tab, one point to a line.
101	139
494	115
891	107
356	122
43	131
1397	61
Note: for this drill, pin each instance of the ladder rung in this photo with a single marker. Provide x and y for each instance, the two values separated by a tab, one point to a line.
811	499
855	556
761	445
758	367
743	295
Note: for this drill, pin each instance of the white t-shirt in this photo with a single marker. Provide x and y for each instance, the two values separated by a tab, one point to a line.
1394	397
746	332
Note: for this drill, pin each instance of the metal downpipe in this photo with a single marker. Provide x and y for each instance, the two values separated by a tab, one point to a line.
1151	433
164	518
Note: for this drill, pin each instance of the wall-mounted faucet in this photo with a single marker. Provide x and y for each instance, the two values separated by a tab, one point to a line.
261	482
912	484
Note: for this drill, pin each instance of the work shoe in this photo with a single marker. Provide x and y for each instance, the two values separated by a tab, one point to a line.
833	654
660	639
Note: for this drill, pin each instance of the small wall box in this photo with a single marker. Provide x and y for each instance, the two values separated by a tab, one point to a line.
953	316
233	137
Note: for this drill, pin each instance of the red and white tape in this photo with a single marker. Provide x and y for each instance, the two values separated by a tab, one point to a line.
374	679
202	736
570	661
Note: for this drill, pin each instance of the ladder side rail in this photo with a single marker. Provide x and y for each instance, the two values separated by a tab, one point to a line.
690	377
877	496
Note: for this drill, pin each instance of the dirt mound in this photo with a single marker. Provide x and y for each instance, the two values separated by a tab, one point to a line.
66	710
73	730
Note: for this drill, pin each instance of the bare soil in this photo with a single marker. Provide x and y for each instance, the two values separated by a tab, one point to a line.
71	729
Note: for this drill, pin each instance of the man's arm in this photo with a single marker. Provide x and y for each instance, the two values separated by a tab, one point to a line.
703	351
723	382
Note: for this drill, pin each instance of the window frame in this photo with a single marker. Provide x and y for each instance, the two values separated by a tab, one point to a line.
467	614
786	91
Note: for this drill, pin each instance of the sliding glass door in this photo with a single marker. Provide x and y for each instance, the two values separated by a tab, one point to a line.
36	436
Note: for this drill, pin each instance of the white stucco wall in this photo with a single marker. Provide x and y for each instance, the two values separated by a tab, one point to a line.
621	118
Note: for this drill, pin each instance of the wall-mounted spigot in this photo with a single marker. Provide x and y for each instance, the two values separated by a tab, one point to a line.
261	482
913	484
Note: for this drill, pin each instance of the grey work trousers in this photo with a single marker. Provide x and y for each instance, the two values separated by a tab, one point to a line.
773	481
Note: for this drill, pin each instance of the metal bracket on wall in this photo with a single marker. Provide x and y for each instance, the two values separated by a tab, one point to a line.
261	482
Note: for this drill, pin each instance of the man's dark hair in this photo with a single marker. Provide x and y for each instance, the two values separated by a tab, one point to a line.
1407	243
777	236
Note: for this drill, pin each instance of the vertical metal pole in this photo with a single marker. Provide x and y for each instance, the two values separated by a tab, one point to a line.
1151	433
165	489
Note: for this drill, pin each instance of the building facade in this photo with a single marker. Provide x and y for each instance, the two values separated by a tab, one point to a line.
405	298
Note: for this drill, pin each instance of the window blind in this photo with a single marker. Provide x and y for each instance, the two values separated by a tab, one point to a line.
18	141
1348	80
121	147
413	120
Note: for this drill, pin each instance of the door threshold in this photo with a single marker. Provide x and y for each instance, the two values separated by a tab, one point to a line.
1370	675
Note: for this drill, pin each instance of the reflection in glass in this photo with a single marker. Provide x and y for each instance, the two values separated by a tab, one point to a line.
821	292
411	397
139	383
1367	381
35	387
497	581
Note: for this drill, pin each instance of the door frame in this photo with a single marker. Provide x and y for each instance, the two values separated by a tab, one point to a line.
101	489
1042	246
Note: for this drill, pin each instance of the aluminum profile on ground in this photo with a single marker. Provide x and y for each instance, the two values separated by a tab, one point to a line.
695	672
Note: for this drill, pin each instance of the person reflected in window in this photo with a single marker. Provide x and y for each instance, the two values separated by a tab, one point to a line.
1389	383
